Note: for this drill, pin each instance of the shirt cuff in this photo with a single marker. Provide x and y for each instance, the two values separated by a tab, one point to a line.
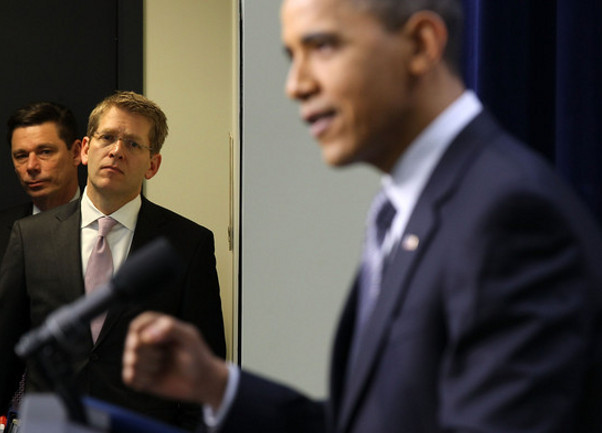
214	419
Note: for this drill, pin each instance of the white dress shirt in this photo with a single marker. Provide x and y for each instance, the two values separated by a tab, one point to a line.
119	238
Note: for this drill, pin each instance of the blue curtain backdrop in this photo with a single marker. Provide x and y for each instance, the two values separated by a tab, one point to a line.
537	65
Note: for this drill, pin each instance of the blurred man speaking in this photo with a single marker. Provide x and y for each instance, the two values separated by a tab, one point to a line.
477	306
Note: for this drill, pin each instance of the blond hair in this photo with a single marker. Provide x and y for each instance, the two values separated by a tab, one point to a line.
133	102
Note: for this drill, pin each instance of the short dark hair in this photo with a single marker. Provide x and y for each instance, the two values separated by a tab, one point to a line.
36	113
395	13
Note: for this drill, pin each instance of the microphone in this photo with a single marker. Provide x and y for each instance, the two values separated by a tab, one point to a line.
142	273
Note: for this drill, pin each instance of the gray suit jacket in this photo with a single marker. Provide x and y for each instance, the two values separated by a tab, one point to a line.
7	219
42	271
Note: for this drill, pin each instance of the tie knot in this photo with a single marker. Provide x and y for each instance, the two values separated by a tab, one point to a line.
384	217
105	224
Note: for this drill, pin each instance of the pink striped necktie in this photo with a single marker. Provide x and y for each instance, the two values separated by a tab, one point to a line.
100	268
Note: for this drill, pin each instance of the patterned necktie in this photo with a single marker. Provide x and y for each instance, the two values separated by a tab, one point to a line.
100	267
372	265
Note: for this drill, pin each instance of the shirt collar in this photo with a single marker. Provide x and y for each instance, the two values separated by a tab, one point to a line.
126	215
414	167
37	210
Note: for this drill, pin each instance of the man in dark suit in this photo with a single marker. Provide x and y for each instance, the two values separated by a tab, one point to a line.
45	150
478	304
121	149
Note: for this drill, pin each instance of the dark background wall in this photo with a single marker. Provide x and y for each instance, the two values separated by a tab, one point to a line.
69	51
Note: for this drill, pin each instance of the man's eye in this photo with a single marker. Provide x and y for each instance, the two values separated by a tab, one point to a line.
20	157
323	45
106	139
45	154
133	144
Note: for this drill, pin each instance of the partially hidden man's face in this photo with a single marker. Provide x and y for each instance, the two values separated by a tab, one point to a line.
348	74
117	171
46	168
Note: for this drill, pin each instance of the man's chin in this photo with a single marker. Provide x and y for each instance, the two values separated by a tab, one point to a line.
336	160
332	155
37	192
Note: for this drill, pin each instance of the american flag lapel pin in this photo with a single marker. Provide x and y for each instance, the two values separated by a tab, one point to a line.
410	242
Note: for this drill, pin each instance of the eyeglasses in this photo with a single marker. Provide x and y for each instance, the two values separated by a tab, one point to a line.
132	146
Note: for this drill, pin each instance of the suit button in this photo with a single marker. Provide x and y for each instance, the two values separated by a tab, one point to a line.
94	357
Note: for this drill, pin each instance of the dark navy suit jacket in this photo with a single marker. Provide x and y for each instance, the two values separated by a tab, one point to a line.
492	324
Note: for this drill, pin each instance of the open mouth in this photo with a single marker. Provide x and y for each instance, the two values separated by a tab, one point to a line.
320	122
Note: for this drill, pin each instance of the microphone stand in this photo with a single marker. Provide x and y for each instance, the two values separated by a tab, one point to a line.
54	362
54	344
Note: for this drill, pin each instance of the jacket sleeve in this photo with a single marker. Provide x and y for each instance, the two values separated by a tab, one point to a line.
262	406
14	317
201	302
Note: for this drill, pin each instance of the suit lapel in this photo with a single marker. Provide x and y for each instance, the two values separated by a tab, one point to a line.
403	261
66	236
340	352
66	244
394	287
147	225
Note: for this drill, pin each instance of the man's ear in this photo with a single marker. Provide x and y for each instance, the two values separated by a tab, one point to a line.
76	152
428	32
155	163
84	150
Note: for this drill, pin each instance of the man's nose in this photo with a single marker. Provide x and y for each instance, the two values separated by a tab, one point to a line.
300	83
117	149
33	163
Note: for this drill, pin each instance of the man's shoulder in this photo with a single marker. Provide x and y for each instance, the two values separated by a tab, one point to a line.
165	219
489	171
8	217
46	218
13	213
486	150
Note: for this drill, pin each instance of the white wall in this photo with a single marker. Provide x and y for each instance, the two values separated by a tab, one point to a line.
190	70
302	222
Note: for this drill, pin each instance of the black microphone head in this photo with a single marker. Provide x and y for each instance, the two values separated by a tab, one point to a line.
142	273
146	270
